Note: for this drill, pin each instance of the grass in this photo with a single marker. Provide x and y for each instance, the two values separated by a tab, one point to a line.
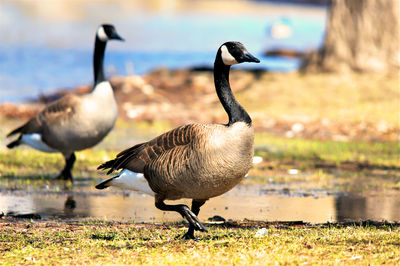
339	98
307	153
29	162
98	242
278	152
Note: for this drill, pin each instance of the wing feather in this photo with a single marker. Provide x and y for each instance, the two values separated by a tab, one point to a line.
60	110
55	111
137	157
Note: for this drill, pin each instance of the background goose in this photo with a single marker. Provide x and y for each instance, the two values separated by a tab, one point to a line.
75	122
196	161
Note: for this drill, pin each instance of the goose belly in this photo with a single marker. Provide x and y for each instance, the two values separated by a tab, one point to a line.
89	125
211	183
201	183
89	135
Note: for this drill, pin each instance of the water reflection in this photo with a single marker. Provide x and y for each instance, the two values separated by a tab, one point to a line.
69	206
378	206
244	201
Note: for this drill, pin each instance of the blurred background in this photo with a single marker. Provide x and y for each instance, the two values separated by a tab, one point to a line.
47	45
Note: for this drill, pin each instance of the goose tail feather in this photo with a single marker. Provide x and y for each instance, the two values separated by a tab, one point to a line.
105	184
15	131
107	165
14	144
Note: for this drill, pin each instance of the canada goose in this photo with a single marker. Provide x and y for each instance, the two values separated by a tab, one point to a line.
196	161
75	122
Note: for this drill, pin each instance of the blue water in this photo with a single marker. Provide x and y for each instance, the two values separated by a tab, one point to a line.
39	57
30	71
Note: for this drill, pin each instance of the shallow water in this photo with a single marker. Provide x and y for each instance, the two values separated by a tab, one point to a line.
299	201
50	47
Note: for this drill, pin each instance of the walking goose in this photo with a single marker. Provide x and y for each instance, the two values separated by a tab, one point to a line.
75	122
196	161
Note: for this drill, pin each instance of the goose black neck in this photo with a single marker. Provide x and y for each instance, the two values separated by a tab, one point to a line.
98	56
234	110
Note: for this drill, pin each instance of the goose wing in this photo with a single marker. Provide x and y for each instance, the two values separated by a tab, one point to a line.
55	112
137	157
61	110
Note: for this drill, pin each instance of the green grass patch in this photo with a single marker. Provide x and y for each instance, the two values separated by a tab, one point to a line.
35	164
309	153
339	98
119	243
280	154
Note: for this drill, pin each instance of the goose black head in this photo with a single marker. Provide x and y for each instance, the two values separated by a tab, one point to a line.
107	32
234	53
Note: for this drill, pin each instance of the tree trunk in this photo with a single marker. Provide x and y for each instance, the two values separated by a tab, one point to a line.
361	36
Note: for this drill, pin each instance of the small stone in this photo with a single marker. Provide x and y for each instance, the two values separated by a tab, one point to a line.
298	127
383	126
257	159
262	232
148	89
293	171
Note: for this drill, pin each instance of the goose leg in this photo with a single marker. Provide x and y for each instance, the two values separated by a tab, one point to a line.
184	211
196	204
69	164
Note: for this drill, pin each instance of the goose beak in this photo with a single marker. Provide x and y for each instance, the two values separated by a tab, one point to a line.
247	57
115	36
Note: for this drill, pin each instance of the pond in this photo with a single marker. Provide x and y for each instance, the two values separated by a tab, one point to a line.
270	201
50	46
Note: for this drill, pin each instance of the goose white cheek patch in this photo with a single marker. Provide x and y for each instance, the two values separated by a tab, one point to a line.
102	34
227	58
